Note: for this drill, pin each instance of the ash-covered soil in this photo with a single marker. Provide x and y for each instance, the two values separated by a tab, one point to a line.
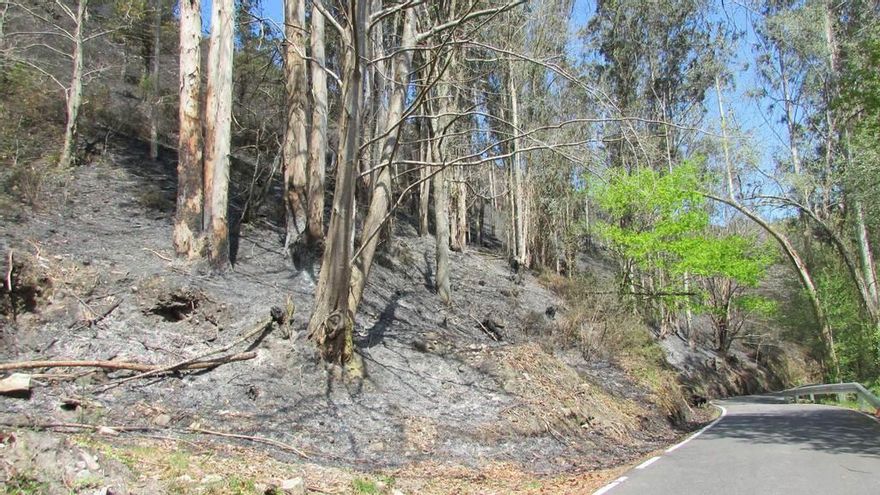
438	388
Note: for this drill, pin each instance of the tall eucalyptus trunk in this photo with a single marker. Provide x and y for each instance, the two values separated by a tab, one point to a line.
188	217
295	144
331	325
380	200
318	138
218	131
74	90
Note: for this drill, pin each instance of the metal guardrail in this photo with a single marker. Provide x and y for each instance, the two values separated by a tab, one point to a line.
839	389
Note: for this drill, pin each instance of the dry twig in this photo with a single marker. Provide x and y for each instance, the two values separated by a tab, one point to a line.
267	441
261	327
157	253
120	365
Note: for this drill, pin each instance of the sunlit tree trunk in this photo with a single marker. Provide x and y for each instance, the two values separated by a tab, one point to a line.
381	197
517	191
188	218
318	139
331	323
424	180
441	221
295	146
218	131
787	247
74	91
461	228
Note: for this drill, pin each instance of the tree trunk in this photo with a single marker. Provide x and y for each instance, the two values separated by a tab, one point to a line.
74	92
866	256
787	247
380	200
218	131
154	82
517	192
318	142
295	146
188	218
461	229
441	221
331	323
440	148
424	180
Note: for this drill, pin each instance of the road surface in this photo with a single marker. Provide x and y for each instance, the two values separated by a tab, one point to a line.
765	446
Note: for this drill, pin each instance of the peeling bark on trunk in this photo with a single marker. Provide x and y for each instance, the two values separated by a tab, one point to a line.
381	197
295	146
74	91
188	218
318	141
331	323
218	131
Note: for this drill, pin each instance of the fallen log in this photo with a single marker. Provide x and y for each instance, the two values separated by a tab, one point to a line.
122	365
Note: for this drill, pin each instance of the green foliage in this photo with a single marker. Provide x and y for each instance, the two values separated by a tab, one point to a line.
757	305
859	102
364	486
856	340
652	213
25	103
661	221
23	484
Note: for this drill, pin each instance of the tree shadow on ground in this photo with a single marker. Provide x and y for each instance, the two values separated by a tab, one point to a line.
157	188
376	333
822	428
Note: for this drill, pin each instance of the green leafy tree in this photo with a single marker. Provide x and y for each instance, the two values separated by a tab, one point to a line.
660	223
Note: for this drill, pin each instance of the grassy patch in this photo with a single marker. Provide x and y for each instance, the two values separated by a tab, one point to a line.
598	323
24	484
364	486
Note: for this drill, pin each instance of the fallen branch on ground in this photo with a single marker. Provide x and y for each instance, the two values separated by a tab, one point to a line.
276	316
490	332
267	441
77	426
94	321
121	365
112	429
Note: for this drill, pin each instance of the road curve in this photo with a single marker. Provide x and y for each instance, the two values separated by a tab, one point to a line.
765	446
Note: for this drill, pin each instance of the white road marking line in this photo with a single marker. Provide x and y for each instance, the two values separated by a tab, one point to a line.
695	435
609	486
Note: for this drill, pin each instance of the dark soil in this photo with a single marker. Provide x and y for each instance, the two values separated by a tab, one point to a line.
438	387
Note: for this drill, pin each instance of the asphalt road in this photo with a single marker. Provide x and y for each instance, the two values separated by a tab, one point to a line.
764	446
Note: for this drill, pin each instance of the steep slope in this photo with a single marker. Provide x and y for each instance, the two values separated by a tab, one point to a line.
440	388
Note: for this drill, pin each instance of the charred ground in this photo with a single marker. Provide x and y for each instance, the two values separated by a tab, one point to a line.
93	278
